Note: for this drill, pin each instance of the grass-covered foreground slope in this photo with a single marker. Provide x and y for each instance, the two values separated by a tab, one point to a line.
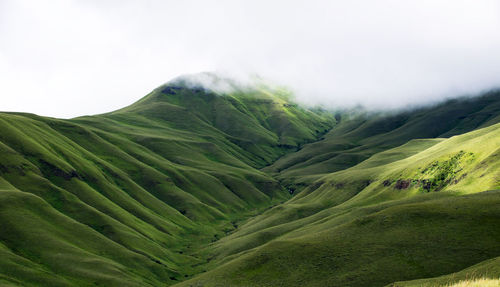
356	138
127	198
484	274
423	209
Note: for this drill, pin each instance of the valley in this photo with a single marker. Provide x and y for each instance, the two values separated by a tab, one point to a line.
193	187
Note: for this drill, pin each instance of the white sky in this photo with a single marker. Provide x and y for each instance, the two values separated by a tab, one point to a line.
66	58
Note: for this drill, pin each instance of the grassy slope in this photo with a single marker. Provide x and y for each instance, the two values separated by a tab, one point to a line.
127	198
377	222
357	138
487	271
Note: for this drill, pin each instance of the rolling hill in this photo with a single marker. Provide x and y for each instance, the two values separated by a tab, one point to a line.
126	198
356	138
423	209
240	186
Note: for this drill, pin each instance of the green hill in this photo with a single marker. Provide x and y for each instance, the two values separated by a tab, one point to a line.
194	183
403	213
126	198
358	137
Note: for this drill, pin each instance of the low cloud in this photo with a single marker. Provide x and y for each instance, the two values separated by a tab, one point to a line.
70	58
219	83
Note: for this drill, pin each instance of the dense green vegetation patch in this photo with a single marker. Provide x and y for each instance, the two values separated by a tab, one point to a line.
440	174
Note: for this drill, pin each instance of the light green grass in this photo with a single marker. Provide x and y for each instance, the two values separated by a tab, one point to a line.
358	227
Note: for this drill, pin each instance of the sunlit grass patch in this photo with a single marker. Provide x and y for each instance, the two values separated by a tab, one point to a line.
480	282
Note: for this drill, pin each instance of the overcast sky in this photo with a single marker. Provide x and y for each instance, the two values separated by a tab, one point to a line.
66	58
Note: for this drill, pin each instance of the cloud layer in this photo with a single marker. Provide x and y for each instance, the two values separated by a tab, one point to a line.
67	58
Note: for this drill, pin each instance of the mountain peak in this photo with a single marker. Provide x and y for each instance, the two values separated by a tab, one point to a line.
208	81
220	83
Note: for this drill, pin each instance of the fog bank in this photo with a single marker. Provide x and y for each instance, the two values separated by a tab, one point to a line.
70	58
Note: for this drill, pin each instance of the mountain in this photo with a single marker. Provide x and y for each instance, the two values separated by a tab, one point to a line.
208	182
126	198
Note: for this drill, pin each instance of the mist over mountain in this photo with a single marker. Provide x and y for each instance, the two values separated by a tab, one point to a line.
88	57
